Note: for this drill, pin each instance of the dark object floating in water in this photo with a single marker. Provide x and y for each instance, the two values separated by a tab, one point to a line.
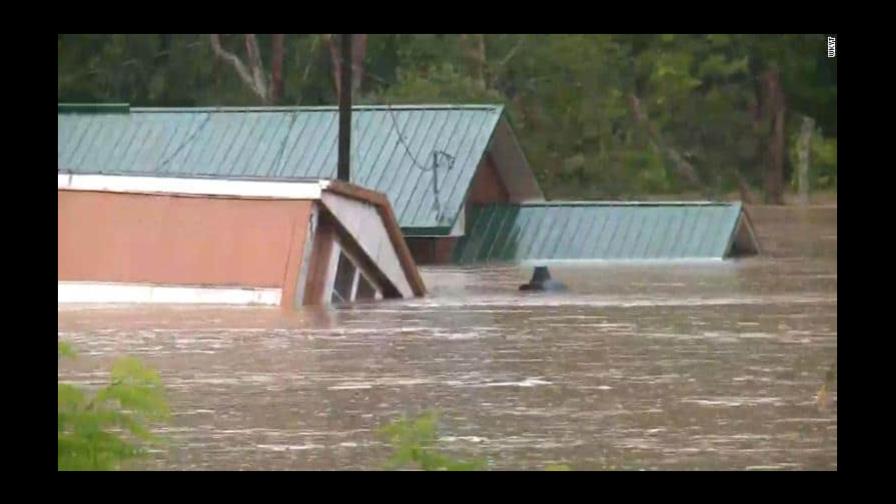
541	281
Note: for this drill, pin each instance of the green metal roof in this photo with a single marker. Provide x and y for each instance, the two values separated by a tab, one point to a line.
567	231
290	143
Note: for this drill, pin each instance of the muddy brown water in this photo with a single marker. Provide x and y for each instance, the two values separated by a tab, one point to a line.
655	366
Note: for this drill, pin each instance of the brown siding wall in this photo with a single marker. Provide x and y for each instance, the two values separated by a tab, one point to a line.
109	237
487	186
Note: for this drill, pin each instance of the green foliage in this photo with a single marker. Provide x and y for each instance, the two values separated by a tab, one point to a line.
824	162
441	83
569	97
414	442
65	349
102	430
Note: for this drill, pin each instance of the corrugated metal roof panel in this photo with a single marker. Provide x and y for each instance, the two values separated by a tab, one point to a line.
290	143
602	231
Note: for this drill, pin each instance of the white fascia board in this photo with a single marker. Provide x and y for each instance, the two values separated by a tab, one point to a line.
310	190
128	293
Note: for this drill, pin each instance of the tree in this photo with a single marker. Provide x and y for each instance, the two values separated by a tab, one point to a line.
475	53
598	116
359	51
253	74
772	114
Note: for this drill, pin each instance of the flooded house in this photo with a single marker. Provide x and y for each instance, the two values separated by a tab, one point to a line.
138	239
459	183
435	163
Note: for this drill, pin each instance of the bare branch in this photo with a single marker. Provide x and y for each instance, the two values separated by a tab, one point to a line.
512	52
314	43
237	64
230	58
255	64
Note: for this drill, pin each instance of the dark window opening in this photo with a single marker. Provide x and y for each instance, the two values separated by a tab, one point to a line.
365	289
345	277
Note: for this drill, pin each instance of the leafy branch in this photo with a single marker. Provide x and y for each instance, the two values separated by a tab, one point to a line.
102	430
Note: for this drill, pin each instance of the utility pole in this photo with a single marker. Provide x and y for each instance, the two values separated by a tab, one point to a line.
345	110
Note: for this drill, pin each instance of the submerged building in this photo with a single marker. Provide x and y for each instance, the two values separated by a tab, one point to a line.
455	175
566	231
195	240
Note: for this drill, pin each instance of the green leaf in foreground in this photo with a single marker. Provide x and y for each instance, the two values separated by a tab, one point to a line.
414	442
101	431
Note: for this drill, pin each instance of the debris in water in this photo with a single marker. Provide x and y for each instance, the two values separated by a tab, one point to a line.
541	281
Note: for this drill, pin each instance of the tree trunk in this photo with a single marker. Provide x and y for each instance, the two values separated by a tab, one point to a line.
743	187
773	106
475	49
335	64
359	52
481	69
805	150
275	93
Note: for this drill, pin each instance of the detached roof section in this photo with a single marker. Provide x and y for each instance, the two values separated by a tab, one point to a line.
572	231
283	143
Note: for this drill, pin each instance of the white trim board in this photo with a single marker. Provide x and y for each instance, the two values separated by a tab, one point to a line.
101	292
204	187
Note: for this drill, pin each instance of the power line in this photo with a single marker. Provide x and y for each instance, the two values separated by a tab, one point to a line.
436	155
277	160
208	116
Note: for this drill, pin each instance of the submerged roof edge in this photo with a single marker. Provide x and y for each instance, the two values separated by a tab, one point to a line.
559	203
93	108
427	232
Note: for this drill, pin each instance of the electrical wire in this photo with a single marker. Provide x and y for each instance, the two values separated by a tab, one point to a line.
208	117
436	154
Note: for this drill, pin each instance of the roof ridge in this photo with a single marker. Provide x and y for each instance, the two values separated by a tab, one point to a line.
101	108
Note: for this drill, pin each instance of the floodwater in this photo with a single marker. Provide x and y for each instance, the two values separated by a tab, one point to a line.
701	366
